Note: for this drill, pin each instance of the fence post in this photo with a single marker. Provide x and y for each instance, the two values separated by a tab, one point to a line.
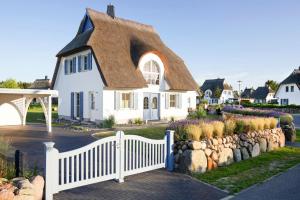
51	170
120	156
169	145
19	163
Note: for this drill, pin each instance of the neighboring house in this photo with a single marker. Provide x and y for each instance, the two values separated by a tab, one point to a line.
44	83
247	95
289	89
117	67
217	91
263	95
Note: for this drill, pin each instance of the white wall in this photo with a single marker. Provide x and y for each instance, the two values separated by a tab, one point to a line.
105	98
79	82
293	97
11	110
226	95
122	116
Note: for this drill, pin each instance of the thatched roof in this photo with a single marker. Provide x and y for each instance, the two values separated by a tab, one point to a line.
262	92
118	44
214	84
247	93
293	78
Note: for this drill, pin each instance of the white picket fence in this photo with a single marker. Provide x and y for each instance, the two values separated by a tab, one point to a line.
106	159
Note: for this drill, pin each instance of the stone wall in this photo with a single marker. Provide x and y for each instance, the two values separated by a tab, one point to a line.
195	156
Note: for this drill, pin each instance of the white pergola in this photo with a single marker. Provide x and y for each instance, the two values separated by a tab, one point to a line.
20	99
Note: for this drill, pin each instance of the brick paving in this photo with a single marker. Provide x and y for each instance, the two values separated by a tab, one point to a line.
154	185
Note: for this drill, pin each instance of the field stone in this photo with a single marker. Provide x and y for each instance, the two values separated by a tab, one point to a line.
38	183
7	192
262	145
214	156
225	157
237	155
195	145
193	161
207	152
245	154
215	141
256	150
281	139
24	197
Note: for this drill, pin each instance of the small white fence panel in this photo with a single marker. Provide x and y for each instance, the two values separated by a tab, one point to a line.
106	159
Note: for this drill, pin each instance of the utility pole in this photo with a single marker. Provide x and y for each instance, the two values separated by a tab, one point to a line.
239	82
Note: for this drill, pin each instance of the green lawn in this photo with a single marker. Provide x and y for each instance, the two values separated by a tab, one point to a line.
36	115
242	175
149	132
298	135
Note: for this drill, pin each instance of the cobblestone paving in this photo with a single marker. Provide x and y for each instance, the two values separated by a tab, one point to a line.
154	185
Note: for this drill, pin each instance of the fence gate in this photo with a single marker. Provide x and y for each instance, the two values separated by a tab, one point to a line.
106	159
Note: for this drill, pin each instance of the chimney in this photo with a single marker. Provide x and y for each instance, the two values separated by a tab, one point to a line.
111	11
46	77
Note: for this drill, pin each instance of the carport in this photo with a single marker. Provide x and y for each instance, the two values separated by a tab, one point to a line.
14	104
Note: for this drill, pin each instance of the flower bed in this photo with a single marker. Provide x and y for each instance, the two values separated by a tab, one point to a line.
206	129
286	120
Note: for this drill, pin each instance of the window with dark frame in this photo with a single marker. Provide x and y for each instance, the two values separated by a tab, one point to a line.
292	88
287	88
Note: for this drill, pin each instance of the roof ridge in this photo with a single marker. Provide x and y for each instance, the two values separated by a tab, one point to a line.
128	22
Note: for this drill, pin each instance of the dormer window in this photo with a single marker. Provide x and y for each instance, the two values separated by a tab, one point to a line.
208	93
151	72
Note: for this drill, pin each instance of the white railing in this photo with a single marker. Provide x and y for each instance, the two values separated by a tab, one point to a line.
110	158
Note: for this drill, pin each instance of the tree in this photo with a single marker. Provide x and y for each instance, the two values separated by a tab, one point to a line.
9	83
218	92
24	85
272	84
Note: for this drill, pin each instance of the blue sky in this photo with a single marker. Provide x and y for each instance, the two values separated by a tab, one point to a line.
250	41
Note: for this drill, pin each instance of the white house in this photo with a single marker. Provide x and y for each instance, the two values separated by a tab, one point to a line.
217	91
263	95
289	89
122	68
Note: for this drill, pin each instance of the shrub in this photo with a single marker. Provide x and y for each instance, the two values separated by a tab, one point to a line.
207	130
218	129
198	114
260	123
253	125
138	121
273	123
193	132
239	126
286	119
267	123
109	122
229	127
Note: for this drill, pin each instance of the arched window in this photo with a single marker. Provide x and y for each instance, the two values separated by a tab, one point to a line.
208	93
151	72
154	103
146	103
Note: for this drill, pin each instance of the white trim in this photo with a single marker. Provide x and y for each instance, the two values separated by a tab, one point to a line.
29	92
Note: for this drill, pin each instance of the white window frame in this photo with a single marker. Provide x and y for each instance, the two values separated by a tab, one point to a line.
152	76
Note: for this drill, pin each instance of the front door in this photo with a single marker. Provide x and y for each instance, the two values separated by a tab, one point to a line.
151	106
77	105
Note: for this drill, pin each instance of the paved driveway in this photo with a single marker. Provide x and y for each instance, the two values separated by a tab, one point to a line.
154	185
29	140
158	184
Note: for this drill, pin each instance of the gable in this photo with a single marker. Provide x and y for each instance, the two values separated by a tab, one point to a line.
118	44
87	25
